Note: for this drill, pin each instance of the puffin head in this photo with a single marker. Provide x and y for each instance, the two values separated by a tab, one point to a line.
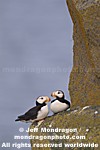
42	100
58	94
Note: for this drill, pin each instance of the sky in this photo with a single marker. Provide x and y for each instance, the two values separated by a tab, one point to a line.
36	57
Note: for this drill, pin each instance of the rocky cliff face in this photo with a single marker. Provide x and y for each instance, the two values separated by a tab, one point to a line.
84	84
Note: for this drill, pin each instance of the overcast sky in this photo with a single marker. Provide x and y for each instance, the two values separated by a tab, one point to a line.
35	56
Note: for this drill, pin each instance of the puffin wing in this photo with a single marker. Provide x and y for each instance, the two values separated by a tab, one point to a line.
30	114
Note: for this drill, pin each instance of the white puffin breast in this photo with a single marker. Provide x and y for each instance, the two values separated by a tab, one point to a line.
43	112
57	106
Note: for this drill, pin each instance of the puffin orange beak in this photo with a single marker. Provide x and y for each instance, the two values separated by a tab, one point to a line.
53	94
48	99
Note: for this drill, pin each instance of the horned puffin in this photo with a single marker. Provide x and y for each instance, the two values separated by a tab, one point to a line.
37	113
59	103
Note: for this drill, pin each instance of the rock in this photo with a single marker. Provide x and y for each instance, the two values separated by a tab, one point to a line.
84	86
84	120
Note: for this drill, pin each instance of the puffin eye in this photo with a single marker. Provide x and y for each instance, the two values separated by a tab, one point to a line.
58	92
41	97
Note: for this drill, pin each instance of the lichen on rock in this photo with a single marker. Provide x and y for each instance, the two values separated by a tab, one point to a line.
84	86
85	120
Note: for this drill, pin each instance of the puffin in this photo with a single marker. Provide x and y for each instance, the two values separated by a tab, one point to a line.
59	104
37	113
